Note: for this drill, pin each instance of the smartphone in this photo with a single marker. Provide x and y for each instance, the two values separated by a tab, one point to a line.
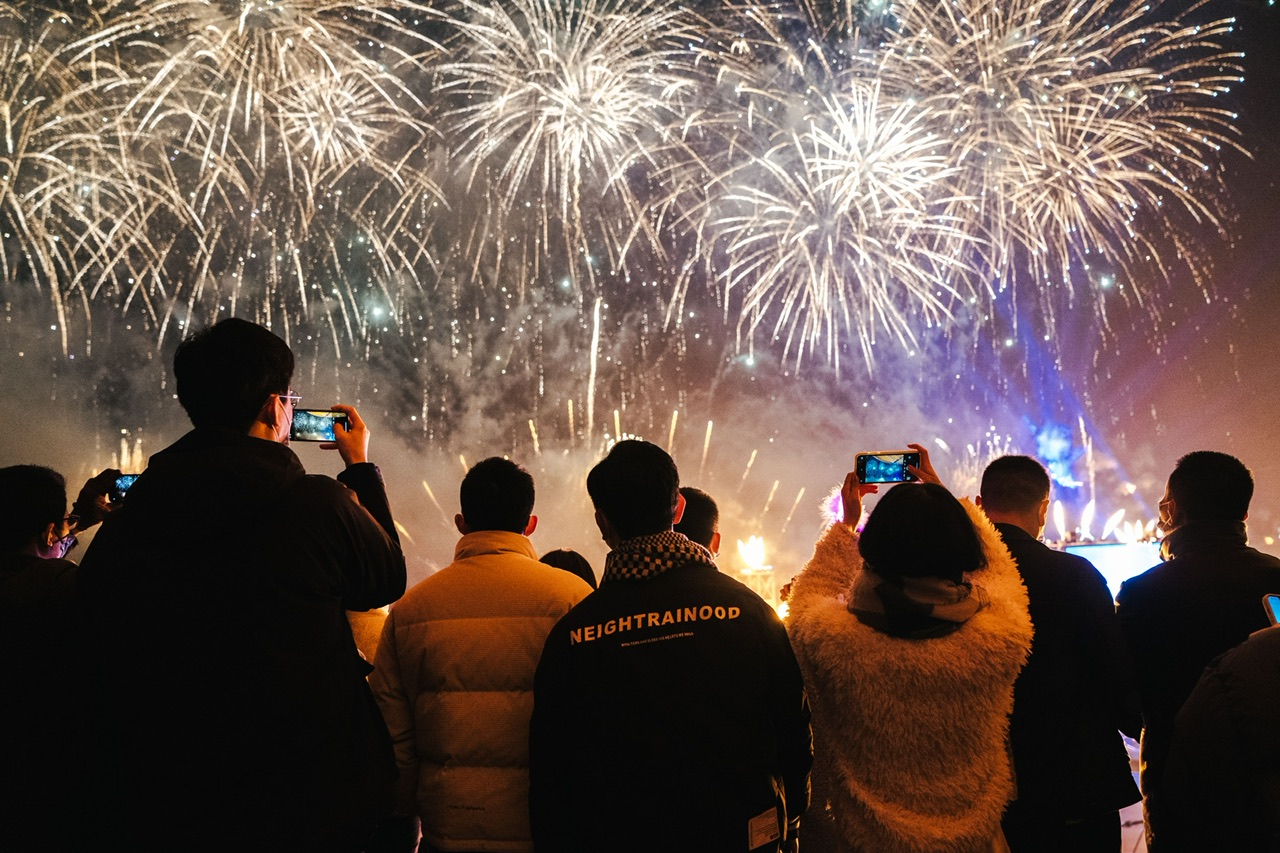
1271	603
886	466
122	484
315	424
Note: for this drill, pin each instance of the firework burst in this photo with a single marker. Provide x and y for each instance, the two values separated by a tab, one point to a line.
564	110
1083	135
292	135
831	176
836	229
70	209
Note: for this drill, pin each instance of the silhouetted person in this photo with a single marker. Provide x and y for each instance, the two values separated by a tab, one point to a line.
1221	785
1076	692
669	712
41	649
701	519
1221	788
571	561
1203	600
454	676
232	708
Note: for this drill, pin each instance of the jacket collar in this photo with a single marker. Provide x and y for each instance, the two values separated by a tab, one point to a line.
480	542
1012	532
1203	536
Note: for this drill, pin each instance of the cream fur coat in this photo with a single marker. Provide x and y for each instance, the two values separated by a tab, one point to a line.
909	735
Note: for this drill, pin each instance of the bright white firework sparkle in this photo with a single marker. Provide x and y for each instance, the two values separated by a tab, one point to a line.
302	160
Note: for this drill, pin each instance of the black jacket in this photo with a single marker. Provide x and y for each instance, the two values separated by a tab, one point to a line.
1204	599
40	755
1076	692
668	712
230	694
1222	783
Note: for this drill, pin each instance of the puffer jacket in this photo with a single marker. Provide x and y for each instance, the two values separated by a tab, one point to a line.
454	679
910	735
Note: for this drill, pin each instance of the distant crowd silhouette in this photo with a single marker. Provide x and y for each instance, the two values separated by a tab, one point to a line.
222	672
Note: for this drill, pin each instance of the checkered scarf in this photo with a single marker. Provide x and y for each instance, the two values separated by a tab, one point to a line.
914	607
649	556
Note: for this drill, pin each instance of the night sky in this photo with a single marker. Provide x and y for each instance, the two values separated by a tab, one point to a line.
1211	383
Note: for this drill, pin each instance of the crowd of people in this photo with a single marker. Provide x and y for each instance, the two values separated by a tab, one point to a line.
944	681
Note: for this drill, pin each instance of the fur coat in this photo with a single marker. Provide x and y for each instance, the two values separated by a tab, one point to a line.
910	735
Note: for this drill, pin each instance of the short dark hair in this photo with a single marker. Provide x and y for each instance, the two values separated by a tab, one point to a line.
1014	484
635	487
226	372
570	561
497	494
920	530
31	498
1211	486
701	517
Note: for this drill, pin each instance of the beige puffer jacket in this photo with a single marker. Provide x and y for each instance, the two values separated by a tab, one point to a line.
454	679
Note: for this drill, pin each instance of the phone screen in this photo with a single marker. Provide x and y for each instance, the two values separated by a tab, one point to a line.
315	424
122	484
1272	604
886	467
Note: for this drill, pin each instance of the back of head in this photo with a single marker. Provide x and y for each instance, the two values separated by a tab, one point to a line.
701	519
920	531
226	372
497	494
31	498
1014	484
636	488
1211	486
570	561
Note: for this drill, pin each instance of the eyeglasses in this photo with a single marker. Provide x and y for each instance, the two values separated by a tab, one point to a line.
72	520
291	397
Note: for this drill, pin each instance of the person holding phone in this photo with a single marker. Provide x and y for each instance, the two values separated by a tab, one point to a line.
910	636
41	652
230	706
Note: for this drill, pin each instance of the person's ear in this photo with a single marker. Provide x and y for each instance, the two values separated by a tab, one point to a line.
977	501
461	523
606	529
715	544
531	526
270	420
679	513
50	535
272	411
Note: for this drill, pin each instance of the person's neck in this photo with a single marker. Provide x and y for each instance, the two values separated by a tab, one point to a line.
1026	522
264	431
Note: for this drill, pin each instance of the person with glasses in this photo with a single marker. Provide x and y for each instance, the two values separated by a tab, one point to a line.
231	710
40	654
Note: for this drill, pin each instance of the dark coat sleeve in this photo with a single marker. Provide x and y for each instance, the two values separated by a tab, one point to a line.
1222	783
1104	645
361	548
551	741
795	735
